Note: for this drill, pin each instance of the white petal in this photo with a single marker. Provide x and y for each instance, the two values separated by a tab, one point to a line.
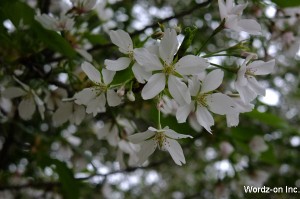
231	22
194	85
117	65
220	104
175	151
78	115
121	39
91	72
241	79
40	105
261	67
26	87
148	60
229	5
140	137
96	105
222	9
46	21
13	92
246	94
108	76
238	9
113	99
61	115
84	54
26	108
152	129
147	148
174	135
179	90
183	112
191	65
212	81
85	96
168	46
104	131
232	119
154	86
255	86
140	73
204	118
250	26
113	136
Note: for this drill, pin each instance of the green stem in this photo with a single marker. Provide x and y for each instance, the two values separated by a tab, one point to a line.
232	70
158	118
216	31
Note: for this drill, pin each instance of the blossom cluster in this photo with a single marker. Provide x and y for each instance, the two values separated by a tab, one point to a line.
186	87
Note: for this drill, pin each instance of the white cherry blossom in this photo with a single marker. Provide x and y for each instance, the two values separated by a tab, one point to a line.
204	100
122	39
164	139
83	6
94	98
240	107
246	84
29	101
168	71
68	111
232	15
64	22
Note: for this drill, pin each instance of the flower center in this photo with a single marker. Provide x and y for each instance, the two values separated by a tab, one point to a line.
130	55
101	88
201	100
250	72
168	69
160	138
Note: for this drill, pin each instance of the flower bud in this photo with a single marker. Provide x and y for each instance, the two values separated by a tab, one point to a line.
157	35
121	91
130	96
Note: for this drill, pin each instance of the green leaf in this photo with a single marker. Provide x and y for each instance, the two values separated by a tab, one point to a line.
268	156
122	76
54	41
268	119
96	39
189	33
287	3
70	186
243	133
20	12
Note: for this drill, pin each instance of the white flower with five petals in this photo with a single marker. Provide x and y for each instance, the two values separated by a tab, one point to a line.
29	100
83	6
122	39
246	84
164	139
232	15
168	71
64	22
94	97
205	100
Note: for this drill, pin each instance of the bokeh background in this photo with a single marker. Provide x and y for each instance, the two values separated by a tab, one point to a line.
42	160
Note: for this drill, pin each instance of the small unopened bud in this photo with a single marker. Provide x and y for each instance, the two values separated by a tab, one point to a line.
130	96
177	29
252	55
157	35
160	104
121	91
